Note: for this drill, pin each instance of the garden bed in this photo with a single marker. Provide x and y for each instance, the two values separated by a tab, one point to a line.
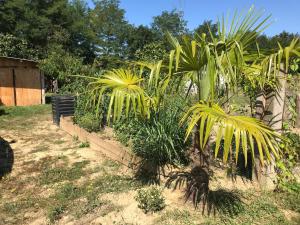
102	143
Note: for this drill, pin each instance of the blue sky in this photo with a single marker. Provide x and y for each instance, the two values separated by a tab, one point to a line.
285	13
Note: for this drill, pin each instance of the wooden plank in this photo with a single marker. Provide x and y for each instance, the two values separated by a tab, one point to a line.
28	87
16	63
6	87
109	148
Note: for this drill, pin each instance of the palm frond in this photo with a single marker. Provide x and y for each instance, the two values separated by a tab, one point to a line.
244	131
243	28
124	90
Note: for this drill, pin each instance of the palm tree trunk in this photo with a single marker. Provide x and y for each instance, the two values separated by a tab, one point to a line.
270	109
203	154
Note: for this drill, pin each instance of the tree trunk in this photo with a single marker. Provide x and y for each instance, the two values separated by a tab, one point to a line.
202	153
270	109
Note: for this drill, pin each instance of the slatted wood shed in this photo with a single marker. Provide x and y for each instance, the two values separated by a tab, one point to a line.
21	82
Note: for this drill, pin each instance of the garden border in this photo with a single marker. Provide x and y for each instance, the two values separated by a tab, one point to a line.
106	147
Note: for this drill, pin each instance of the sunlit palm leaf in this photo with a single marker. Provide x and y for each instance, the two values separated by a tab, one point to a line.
124	90
242	130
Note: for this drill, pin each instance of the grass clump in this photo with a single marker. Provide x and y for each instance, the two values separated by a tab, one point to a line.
63	199
115	184
85	144
150	199
259	210
176	217
290	198
63	173
55	213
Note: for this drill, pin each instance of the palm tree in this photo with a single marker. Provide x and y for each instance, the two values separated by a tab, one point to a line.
210	66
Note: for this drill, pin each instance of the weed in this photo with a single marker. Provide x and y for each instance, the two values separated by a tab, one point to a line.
85	144
75	138
68	192
150	199
55	213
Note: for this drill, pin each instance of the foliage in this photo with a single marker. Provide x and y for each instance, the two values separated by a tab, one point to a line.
159	140
151	52
87	115
138	38
110	27
271	43
287	163
85	144
208	28
290	197
62	65
246	130
150	199
172	22
126	130
39	22
209	67
89	121
55	213
16	47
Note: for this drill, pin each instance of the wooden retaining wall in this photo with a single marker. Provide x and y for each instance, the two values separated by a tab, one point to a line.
109	148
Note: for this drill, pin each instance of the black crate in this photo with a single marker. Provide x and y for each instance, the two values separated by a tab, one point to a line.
62	105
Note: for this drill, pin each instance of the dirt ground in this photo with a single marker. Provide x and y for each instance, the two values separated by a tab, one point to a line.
54	178
37	141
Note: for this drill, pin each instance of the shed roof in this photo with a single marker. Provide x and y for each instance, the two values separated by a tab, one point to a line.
19	59
6	61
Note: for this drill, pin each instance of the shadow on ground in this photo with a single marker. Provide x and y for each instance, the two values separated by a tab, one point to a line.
6	157
196	185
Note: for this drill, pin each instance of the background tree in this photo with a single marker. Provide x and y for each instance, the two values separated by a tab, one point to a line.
206	27
15	47
172	22
110	27
138	38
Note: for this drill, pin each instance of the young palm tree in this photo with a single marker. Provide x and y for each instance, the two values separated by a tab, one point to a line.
210	67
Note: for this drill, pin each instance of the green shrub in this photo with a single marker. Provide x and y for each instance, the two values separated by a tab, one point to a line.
88	121
286	164
159	139
126	129
150	199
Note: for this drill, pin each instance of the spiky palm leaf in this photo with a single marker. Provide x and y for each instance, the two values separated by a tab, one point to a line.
124	90
244	131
